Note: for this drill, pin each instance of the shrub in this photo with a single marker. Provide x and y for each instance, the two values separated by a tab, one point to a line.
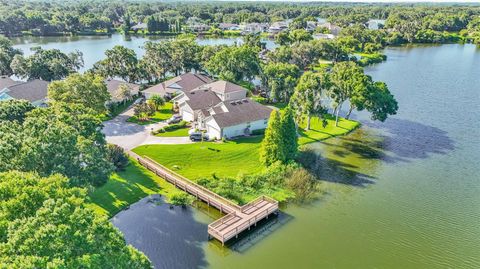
258	132
261	100
303	184
367	59
170	127
181	198
117	156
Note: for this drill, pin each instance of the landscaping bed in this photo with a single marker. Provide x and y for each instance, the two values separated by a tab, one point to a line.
173	130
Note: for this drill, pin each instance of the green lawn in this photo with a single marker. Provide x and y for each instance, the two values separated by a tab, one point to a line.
232	157
163	114
194	161
205	158
318	133
175	133
127	187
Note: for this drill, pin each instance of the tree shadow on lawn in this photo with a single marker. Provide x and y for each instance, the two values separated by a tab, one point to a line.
126	187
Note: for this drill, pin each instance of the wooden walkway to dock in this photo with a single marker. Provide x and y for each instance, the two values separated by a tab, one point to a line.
237	218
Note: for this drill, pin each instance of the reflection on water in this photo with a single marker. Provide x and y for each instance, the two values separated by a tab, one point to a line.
401	194
94	47
170	237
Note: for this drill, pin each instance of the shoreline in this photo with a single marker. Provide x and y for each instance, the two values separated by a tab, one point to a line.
127	187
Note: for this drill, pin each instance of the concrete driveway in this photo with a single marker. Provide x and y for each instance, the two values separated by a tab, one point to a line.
130	135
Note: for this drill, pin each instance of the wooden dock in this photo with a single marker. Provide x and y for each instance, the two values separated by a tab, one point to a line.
237	218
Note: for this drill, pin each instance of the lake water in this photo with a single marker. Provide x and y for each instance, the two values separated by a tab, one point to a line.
94	47
401	194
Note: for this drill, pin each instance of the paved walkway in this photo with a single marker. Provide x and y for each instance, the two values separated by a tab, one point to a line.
130	135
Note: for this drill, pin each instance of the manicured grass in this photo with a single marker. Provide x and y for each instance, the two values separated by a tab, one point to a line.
175	133
127	187
228	159
194	161
318	133
203	159
163	114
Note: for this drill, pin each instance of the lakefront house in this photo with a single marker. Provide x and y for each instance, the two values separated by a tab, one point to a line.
220	108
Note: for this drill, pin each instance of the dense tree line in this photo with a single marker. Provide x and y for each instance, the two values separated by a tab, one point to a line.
53	17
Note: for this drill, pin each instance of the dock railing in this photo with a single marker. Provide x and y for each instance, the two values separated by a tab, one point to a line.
238	218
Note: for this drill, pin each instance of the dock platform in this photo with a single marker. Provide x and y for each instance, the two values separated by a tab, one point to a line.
237	218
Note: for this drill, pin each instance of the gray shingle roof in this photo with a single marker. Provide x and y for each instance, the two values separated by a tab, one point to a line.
241	111
222	86
113	84
187	82
201	99
6	82
32	91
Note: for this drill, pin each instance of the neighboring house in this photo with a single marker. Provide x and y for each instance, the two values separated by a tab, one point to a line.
323	36
334	29
177	85
375	24
311	26
35	91
229	26
253	28
139	26
278	27
113	85
197	25
6	82
222	110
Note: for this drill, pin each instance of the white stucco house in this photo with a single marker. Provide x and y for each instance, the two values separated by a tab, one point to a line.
222	109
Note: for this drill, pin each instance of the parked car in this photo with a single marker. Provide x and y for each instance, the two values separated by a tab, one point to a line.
174	119
138	101
197	136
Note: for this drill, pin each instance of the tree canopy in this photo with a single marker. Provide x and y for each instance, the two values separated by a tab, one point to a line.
64	139
280	79
50	64
44	224
119	62
307	99
88	90
14	110
235	64
7	53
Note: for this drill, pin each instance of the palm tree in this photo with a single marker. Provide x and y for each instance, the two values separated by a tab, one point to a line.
157	101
